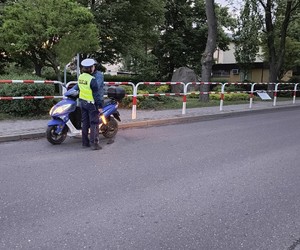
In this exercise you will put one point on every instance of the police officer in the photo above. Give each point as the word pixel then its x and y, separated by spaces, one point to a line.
pixel 90 103
pixel 100 80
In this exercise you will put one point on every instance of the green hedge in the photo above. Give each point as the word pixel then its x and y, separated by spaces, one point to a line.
pixel 24 76
pixel 26 107
pixel 231 97
pixel 227 96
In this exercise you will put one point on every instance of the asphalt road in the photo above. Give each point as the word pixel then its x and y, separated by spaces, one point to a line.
pixel 231 183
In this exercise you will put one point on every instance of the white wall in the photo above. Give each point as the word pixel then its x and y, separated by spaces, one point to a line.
pixel 227 56
pixel 112 69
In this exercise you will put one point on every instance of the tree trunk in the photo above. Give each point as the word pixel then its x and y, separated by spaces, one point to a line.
pixel 276 59
pixel 38 69
pixel 58 74
pixel 207 57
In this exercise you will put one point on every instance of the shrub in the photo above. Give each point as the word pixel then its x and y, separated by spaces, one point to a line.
pixel 286 90
pixel 163 89
pixel 232 87
pixel 126 78
pixel 193 96
pixel 15 76
pixel 147 103
pixel 231 97
pixel 26 107
pixel 127 101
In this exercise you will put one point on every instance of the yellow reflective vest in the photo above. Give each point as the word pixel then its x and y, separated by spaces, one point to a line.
pixel 84 84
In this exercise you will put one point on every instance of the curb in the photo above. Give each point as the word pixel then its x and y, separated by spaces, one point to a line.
pixel 35 135
pixel 197 118
pixel 158 122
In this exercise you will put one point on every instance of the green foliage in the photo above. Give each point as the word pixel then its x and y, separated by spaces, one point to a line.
pixel 155 102
pixel 146 102
pixel 230 88
pixel 183 38
pixel 163 89
pixel 20 76
pixel 127 101
pixel 292 54
pixel 230 97
pixel 285 90
pixel 227 96
pixel 277 17
pixel 247 37
pixel 120 78
pixel 26 107
pixel 128 29
pixel 47 32
pixel 128 78
pixel 184 34
pixel 152 37
pixel 193 96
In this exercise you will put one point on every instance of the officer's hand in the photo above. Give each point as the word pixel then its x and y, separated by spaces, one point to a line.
pixel 100 111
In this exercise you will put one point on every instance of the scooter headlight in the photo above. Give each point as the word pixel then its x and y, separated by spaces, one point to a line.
pixel 60 109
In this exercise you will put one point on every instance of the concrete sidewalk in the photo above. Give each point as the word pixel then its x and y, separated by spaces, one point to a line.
pixel 12 130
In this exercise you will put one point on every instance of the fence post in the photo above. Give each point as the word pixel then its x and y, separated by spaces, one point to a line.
pixel 251 95
pixel 134 102
pixel 295 93
pixel 222 96
pixel 184 98
pixel 275 94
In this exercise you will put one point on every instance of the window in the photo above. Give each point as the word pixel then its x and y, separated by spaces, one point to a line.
pixel 235 71
pixel 221 72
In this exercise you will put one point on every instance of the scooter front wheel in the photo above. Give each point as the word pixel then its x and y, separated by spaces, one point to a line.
pixel 111 129
pixel 55 138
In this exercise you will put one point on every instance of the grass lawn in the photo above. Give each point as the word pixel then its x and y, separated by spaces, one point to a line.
pixel 176 103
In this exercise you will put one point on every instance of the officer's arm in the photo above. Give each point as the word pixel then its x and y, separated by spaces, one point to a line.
pixel 96 95
pixel 100 80
pixel 75 87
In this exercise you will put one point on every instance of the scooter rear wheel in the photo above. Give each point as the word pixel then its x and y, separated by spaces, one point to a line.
pixel 111 129
pixel 55 138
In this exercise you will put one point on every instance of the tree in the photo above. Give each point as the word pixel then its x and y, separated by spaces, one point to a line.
pixel 207 57
pixel 247 38
pixel 182 37
pixel 128 30
pixel 292 55
pixel 47 32
pixel 154 37
pixel 184 34
pixel 277 18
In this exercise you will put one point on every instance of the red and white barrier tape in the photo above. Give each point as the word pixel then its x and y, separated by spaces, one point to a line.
pixel 9 98
pixel 30 81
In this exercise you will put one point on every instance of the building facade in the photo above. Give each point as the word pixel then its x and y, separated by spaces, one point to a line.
pixel 227 69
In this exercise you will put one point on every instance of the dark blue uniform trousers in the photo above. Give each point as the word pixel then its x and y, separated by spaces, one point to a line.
pixel 90 120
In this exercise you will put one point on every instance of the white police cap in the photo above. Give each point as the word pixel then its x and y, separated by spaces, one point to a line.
pixel 89 62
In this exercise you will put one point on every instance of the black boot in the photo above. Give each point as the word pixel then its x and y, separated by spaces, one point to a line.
pixel 95 146
pixel 110 141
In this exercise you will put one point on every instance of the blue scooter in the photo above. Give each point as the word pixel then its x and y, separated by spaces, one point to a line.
pixel 66 116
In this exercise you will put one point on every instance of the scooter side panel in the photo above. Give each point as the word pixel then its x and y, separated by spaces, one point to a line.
pixel 109 109
pixel 56 122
